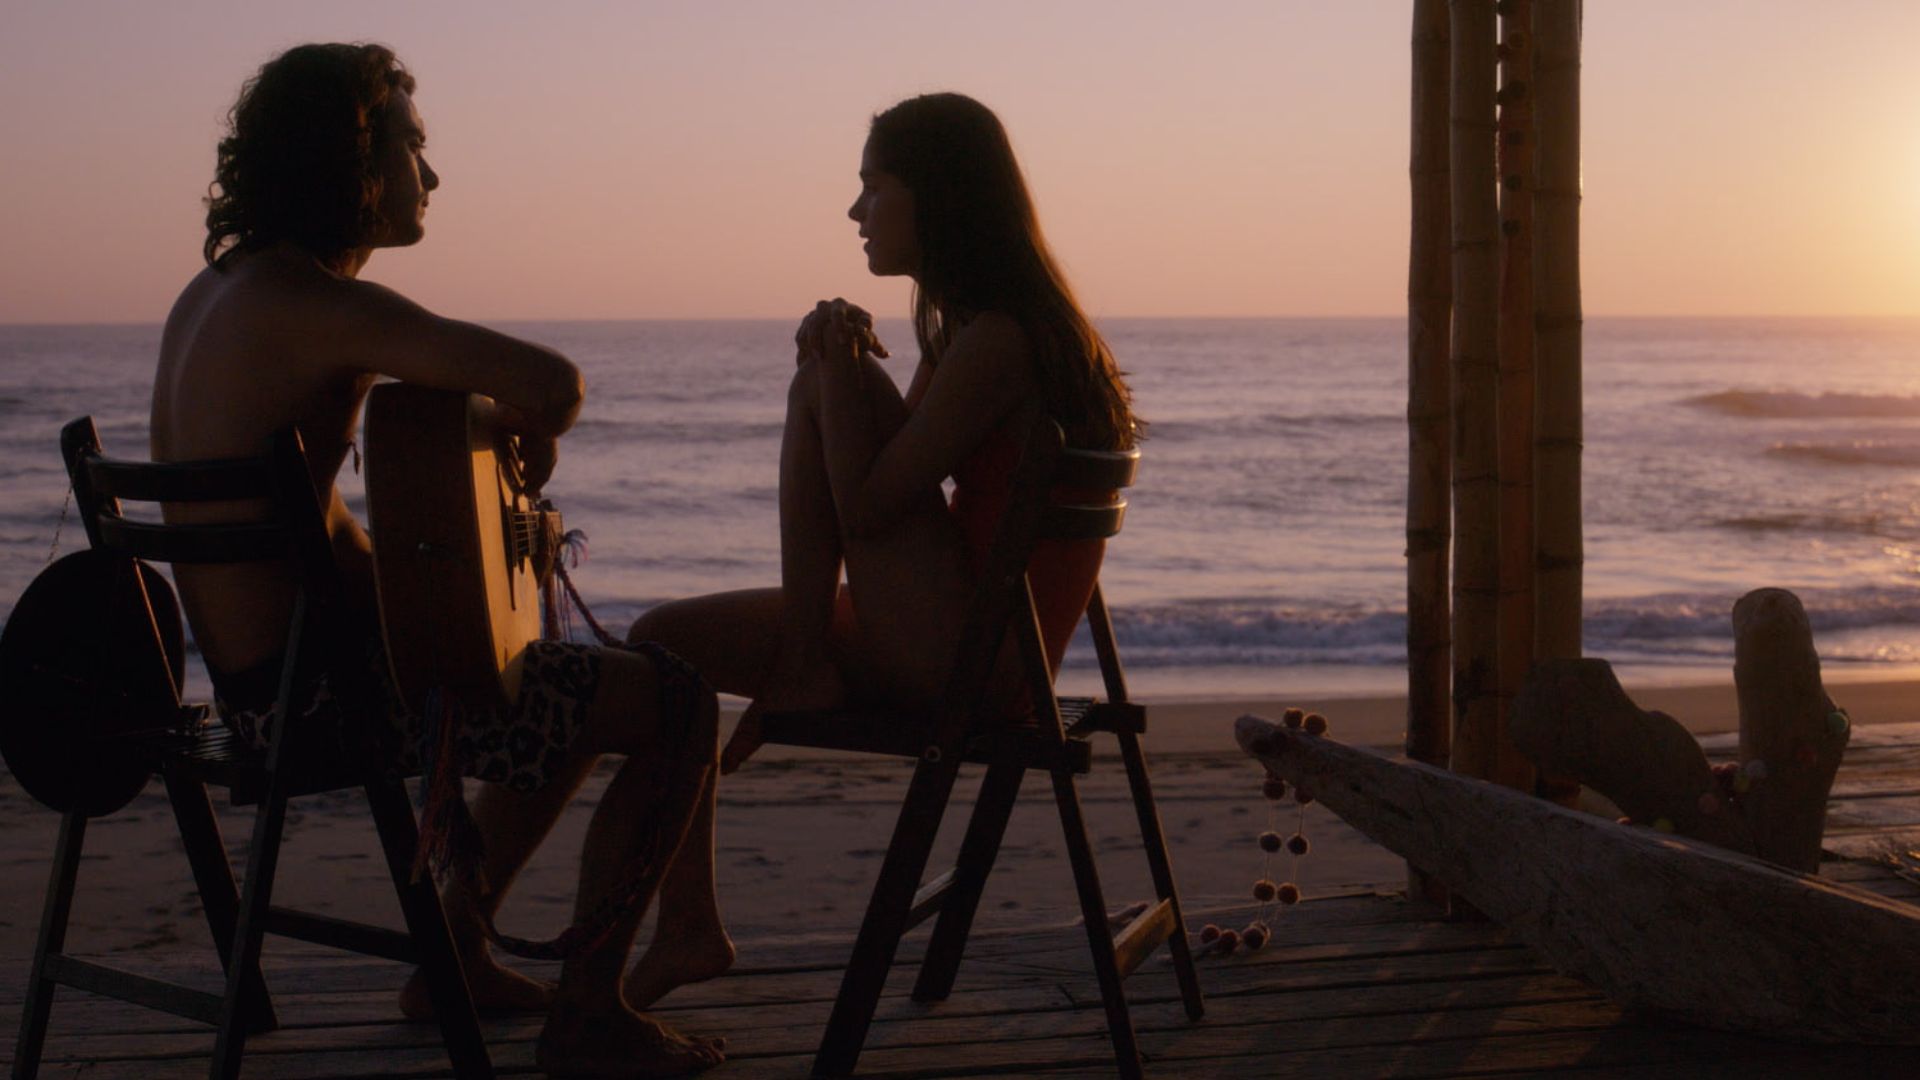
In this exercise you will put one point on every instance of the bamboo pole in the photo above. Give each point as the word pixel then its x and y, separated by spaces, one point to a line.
pixel 1557 586
pixel 1515 163
pixel 1475 229
pixel 1429 408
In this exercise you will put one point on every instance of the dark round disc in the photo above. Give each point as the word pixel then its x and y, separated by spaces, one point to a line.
pixel 86 655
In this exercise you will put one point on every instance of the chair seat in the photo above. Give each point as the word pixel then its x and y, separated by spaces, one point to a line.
pixel 907 734
pixel 212 754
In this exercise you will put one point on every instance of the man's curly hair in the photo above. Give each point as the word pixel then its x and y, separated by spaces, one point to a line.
pixel 299 160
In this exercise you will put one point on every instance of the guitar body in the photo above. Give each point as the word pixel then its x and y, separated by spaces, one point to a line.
pixel 94 650
pixel 454 539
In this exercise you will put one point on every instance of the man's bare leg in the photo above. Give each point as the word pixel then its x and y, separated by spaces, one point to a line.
pixel 642 819
pixel 514 823
pixel 690 942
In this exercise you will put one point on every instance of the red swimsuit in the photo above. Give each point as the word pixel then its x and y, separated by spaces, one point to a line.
pixel 1061 573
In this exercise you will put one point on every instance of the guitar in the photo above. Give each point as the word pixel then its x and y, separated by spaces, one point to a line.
pixel 459 546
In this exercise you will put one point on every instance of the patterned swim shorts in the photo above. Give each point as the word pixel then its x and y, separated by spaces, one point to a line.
pixel 523 748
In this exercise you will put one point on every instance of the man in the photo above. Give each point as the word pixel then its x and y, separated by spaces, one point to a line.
pixel 324 164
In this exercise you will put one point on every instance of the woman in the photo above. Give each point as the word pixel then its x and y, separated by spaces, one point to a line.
pixel 942 201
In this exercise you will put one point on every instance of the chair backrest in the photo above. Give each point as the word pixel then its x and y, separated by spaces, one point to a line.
pixel 1078 506
pixel 290 529
pixel 1058 493
pixel 293 525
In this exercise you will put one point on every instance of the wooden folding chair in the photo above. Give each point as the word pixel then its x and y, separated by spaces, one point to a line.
pixel 963 728
pixel 299 760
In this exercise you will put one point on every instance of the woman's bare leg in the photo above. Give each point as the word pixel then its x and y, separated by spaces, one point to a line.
pixel 802 674
pixel 728 637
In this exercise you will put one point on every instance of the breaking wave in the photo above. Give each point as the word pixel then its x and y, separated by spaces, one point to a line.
pixel 1780 404
pixel 1855 452
pixel 1671 626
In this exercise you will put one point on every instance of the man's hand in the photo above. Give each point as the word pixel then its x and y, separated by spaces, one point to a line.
pixel 538 455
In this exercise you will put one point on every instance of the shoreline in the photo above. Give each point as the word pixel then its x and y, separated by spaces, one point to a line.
pixel 1196 724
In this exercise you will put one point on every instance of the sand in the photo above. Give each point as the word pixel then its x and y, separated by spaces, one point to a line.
pixel 800 836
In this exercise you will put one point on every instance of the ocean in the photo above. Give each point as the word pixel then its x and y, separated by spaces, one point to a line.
pixel 1262 553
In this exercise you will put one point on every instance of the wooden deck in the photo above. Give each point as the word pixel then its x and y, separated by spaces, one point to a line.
pixel 1359 985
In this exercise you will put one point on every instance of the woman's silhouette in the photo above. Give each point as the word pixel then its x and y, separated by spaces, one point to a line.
pixel 942 201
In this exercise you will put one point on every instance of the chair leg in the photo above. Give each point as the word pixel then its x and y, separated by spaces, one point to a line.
pixel 981 846
pixel 219 897
pixel 1162 870
pixel 1093 910
pixel 427 924
pixel 38 1007
pixel 886 918
pixel 263 859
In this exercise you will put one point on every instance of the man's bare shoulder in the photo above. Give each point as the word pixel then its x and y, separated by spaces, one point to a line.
pixel 284 285
pixel 301 306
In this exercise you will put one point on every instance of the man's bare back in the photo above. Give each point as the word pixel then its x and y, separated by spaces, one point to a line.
pixel 276 336
pixel 234 370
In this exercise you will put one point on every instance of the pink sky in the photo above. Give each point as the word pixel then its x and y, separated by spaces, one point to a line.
pixel 615 160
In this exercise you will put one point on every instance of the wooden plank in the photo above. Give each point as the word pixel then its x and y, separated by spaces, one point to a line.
pixel 1695 932
pixel 1143 935
pixel 796 1031
pixel 1871 844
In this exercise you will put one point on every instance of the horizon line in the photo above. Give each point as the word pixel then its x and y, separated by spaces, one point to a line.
pixel 1295 317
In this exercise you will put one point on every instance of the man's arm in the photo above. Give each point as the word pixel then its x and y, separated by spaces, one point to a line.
pixel 369 327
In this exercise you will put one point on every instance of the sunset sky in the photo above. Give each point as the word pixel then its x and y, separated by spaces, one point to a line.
pixel 616 160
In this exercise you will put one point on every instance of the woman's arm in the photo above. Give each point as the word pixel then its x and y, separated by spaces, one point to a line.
pixel 984 375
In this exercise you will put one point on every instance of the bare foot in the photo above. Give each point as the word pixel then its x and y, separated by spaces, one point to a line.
pixel 496 991
pixel 578 1043
pixel 675 960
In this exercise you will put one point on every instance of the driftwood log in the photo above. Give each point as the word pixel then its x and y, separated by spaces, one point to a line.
pixel 1655 921
pixel 1573 718
pixel 1788 721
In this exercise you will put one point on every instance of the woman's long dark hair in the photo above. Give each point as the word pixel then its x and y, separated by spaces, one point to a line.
pixel 981 250
pixel 299 162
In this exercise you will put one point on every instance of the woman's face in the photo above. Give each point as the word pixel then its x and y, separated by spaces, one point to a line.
pixel 884 212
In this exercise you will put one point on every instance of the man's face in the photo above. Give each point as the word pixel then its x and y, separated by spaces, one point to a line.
pixel 405 175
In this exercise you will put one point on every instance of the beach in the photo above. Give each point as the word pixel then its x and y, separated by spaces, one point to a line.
pixel 1260 568
pixel 801 833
